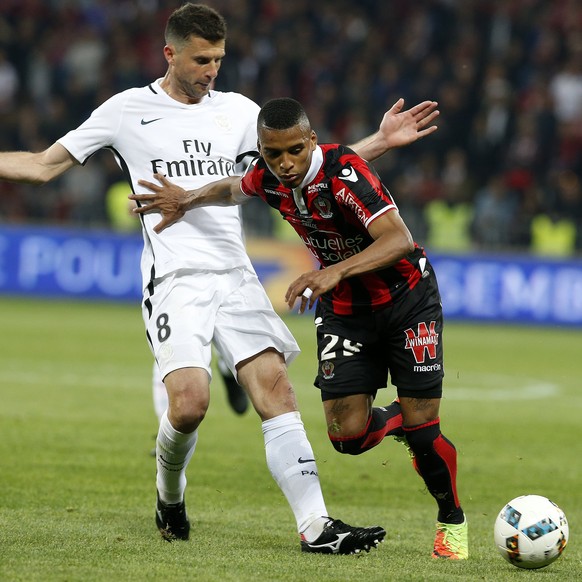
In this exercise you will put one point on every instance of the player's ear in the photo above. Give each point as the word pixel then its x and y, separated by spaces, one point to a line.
pixel 313 139
pixel 169 53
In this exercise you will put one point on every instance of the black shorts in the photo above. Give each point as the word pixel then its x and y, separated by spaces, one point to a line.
pixel 357 353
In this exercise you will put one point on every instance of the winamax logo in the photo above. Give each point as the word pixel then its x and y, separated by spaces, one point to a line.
pixel 424 342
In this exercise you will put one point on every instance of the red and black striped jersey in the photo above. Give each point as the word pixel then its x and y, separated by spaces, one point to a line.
pixel 331 215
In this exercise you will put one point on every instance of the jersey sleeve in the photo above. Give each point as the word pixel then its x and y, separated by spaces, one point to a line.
pixel 247 150
pixel 247 184
pixel 97 132
pixel 359 188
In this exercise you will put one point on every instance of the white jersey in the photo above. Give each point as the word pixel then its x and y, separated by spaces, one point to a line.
pixel 192 145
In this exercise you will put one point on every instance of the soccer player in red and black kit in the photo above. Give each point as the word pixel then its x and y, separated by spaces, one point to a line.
pixel 378 304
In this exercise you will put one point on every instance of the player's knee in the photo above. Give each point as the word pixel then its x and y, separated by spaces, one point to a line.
pixel 184 420
pixel 186 412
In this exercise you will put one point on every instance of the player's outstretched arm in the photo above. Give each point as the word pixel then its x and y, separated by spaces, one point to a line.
pixel 173 201
pixel 35 168
pixel 399 128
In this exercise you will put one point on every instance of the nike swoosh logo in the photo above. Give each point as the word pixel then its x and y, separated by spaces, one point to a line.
pixel 301 461
pixel 144 122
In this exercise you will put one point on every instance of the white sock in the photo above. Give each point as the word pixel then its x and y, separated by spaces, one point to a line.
pixel 292 463
pixel 173 452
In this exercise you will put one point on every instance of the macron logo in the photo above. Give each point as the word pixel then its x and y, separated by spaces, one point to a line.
pixel 144 122
pixel 348 173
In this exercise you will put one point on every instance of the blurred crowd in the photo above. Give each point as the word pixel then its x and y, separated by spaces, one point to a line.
pixel 504 170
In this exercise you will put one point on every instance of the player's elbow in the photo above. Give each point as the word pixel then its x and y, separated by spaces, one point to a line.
pixel 406 243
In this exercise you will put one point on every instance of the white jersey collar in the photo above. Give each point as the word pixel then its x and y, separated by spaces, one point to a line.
pixel 316 163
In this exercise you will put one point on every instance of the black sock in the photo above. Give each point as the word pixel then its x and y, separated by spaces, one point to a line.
pixel 436 461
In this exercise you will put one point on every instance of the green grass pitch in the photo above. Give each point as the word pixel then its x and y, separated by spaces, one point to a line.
pixel 77 482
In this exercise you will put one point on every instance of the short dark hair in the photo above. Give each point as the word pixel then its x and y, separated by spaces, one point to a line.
pixel 195 19
pixel 282 113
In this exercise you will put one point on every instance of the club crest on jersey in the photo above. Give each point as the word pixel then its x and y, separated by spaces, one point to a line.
pixel 323 207
pixel 223 122
pixel 327 369
pixel 422 343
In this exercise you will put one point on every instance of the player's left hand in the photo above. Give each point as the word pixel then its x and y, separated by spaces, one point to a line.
pixel 168 199
pixel 310 286
pixel 400 128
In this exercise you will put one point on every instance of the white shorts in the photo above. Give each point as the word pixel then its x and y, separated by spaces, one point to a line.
pixel 189 310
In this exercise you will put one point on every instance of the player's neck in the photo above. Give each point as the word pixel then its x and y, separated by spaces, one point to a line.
pixel 172 91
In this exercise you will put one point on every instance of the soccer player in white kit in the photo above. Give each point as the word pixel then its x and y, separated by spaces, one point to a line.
pixel 199 285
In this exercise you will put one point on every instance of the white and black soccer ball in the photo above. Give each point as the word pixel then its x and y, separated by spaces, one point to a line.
pixel 531 531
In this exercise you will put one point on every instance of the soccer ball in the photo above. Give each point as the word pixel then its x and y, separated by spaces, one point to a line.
pixel 531 531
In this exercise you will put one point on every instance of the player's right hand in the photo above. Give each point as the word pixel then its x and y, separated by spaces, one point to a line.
pixel 167 199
